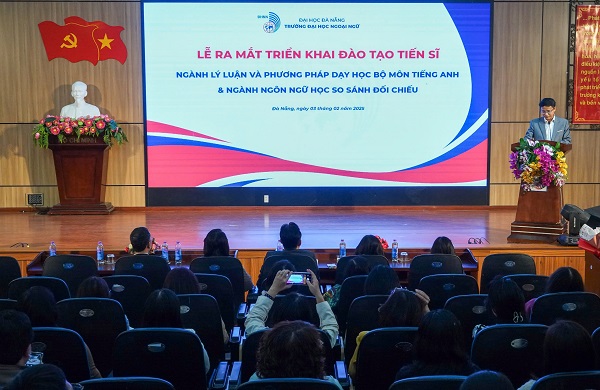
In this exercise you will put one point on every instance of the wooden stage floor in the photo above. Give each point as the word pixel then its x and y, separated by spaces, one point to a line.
pixel 254 230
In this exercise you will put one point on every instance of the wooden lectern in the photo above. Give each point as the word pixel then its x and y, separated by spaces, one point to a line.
pixel 538 212
pixel 80 167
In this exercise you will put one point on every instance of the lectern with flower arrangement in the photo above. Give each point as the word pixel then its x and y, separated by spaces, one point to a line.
pixel 542 168
pixel 79 147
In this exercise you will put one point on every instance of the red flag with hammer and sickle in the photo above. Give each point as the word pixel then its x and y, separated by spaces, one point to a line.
pixel 79 40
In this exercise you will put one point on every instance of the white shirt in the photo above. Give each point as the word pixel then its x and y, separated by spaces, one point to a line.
pixel 549 128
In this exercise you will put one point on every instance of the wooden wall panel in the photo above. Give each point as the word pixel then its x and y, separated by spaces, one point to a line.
pixel 16 196
pixel 126 162
pixel 516 61
pixel 22 163
pixel 502 136
pixel 252 261
pixel 28 169
pixel 504 194
pixel 126 195
pixel 44 86
pixel 584 159
pixel 582 195
pixel 555 40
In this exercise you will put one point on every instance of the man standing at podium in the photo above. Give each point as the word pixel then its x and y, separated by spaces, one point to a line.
pixel 548 126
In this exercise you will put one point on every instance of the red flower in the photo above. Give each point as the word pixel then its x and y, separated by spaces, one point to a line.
pixel 383 242
pixel 93 130
pixel 48 124
pixel 55 130
pixel 68 130
pixel 100 125
pixel 89 122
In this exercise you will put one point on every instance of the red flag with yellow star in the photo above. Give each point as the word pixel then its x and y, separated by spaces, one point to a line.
pixel 79 40
pixel 73 42
pixel 107 39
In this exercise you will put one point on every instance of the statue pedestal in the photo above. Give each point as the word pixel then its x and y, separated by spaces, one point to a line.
pixel 81 175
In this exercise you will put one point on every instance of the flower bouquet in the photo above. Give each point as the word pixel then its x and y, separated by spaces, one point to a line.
pixel 383 242
pixel 538 164
pixel 63 127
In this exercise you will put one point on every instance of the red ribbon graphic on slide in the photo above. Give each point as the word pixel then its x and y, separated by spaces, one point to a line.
pixel 79 40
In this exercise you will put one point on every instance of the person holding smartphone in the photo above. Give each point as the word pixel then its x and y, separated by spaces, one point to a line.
pixel 294 307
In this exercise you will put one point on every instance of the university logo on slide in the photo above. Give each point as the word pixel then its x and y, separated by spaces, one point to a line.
pixel 79 40
pixel 273 24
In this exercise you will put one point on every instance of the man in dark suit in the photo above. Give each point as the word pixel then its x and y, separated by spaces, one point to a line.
pixel 549 127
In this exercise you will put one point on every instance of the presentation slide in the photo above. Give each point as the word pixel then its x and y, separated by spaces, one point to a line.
pixel 316 95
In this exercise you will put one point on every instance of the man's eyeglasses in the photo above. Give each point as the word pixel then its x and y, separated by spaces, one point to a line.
pixel 544 112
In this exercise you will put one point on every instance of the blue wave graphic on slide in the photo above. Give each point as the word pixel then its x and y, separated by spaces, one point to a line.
pixel 477 48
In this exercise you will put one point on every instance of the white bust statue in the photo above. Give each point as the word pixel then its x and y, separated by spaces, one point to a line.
pixel 79 108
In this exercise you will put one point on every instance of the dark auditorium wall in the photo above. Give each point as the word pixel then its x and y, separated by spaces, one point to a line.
pixel 530 61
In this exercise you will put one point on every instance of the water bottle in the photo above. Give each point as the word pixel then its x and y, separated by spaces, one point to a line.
pixel 177 253
pixel 52 249
pixel 165 251
pixel 100 253
pixel 395 251
pixel 279 246
pixel 342 249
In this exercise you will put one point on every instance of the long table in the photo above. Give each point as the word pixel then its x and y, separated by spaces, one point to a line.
pixel 327 259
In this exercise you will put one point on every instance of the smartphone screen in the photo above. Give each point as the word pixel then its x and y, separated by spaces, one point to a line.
pixel 298 278
pixel 35 358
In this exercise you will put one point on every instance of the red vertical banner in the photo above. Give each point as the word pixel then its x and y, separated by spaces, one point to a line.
pixel 586 87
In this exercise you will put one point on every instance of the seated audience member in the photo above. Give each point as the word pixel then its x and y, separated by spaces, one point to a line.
pixel 438 348
pixel 442 245
pixel 568 347
pixel 369 245
pixel 402 308
pixel 16 335
pixel 40 377
pixel 162 311
pixel 291 349
pixel 356 266
pixel 182 280
pixel 40 306
pixel 487 380
pixel 564 279
pixel 96 287
pixel 93 287
pixel 141 241
pixel 216 244
pixel 291 239
pixel 278 266
pixel 505 302
pixel 291 308
pixel 381 281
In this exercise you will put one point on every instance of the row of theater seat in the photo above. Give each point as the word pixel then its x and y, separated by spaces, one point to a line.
pixel 479 305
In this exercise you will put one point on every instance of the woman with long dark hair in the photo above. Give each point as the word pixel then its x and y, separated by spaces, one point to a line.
pixel 439 348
